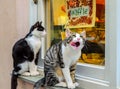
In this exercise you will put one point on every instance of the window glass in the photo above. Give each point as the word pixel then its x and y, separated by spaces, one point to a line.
pixel 94 53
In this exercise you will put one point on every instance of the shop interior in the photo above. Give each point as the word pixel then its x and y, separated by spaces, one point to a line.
pixel 95 33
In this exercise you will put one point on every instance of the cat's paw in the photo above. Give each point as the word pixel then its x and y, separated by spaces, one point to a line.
pixel 71 86
pixel 61 84
pixel 76 84
pixel 34 73
pixel 26 74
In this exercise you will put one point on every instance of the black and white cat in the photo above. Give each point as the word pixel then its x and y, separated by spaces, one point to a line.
pixel 60 61
pixel 25 53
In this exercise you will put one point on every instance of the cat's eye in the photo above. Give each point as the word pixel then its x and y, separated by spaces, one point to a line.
pixel 74 35
pixel 81 36
pixel 40 29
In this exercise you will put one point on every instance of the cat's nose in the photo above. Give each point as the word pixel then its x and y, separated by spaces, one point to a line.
pixel 78 38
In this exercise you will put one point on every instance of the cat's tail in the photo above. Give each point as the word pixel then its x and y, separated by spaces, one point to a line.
pixel 14 80
pixel 39 83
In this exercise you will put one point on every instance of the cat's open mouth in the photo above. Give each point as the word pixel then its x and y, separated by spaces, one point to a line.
pixel 75 44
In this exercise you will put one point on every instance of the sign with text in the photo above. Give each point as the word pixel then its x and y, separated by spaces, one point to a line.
pixel 81 13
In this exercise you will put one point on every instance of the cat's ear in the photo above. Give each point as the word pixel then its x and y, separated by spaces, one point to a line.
pixel 37 24
pixel 68 32
pixel 41 23
pixel 83 34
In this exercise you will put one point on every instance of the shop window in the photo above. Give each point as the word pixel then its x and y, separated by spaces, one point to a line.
pixel 95 53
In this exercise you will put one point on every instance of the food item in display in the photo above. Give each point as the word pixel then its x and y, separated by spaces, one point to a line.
pixel 93 58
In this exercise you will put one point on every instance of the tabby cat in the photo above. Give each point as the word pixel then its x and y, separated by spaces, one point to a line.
pixel 25 53
pixel 60 61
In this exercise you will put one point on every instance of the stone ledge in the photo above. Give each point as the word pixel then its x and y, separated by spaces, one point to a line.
pixel 33 79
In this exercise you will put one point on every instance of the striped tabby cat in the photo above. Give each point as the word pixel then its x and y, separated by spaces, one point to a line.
pixel 60 61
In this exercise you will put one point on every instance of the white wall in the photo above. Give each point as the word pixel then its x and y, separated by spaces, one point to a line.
pixel 14 24
pixel 8 35
pixel 118 43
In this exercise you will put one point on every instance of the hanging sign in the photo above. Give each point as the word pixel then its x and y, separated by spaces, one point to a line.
pixel 81 13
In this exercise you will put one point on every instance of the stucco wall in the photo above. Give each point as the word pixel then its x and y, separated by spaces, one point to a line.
pixel 14 24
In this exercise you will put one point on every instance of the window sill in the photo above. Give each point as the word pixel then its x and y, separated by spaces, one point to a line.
pixel 33 79
pixel 30 79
